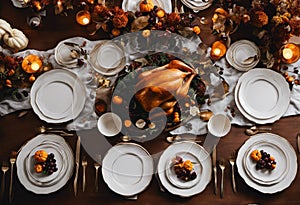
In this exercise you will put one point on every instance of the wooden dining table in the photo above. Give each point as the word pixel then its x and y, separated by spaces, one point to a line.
pixel 15 131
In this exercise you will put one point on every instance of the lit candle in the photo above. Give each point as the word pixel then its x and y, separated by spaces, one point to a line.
pixel 218 50
pixel 59 7
pixel 83 17
pixel 32 63
pixel 290 53
pixel 37 5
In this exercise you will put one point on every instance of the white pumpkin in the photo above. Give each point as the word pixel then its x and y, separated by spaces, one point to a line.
pixel 16 39
pixel 4 28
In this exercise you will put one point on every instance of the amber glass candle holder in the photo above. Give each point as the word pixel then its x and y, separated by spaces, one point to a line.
pixel 218 50
pixel 83 17
pixel 290 53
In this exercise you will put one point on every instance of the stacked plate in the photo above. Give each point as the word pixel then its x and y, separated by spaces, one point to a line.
pixel 197 5
pixel 57 96
pixel 187 151
pixel 127 169
pixel 262 95
pixel 41 183
pixel 63 54
pixel 243 55
pixel 108 58
pixel 268 181
pixel 133 5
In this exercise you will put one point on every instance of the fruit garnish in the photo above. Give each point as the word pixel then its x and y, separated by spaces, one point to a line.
pixel 263 160
pixel 184 169
pixel 46 167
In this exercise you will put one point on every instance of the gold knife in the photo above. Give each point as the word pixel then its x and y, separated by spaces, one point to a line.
pixel 214 163
pixel 77 159
pixel 298 142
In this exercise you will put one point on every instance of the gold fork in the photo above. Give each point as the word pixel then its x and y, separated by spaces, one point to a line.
pixel 4 169
pixel 222 167
pixel 97 166
pixel 12 162
pixel 232 163
pixel 84 164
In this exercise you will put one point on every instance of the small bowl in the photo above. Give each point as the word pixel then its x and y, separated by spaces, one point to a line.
pixel 109 124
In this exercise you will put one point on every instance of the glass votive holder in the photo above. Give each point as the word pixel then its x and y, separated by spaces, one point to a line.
pixel 83 17
pixel 218 50
pixel 290 53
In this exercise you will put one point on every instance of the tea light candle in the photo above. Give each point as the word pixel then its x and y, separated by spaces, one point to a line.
pixel 218 50
pixel 290 53
pixel 83 17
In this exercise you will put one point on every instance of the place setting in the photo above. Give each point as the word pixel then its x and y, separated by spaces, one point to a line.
pixel 45 164
pixel 267 162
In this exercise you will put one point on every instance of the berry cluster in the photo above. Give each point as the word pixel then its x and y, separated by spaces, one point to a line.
pixel 49 166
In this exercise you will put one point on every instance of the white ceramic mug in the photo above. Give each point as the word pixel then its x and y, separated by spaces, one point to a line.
pixel 219 125
pixel 109 124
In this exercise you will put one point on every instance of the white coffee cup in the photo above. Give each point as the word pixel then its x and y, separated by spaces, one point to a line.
pixel 219 125
pixel 109 124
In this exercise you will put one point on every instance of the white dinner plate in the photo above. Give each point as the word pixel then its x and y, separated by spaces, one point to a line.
pixel 197 5
pixel 108 58
pixel 42 107
pixel 39 187
pixel 255 108
pixel 286 148
pixel 238 53
pixel 41 177
pixel 265 176
pixel 55 99
pixel 133 5
pixel 190 149
pixel 172 176
pixel 127 168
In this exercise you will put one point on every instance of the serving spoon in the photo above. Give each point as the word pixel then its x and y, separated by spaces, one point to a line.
pixel 254 130
pixel 177 138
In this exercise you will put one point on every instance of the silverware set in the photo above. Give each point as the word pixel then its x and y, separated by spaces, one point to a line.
pixel 222 166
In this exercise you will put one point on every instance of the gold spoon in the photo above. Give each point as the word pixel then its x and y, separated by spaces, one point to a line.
pixel 254 130
pixel 43 129
pixel 177 138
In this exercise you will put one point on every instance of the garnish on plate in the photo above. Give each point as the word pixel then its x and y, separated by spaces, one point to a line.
pixel 263 160
pixel 184 169
pixel 44 162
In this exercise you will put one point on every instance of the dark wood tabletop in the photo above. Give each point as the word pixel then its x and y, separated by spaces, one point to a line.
pixel 16 131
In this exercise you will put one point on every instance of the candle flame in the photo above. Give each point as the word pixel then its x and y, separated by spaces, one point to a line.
pixel 59 3
pixel 85 20
pixel 287 53
pixel 217 51
pixel 35 66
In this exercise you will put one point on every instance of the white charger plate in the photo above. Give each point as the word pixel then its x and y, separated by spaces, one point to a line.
pixel 290 154
pixel 240 51
pixel 285 95
pixel 108 58
pixel 133 5
pixel 189 148
pixel 21 162
pixel 172 177
pixel 63 76
pixel 127 168
pixel 265 176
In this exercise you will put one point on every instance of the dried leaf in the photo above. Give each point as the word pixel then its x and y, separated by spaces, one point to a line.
pixel 139 23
